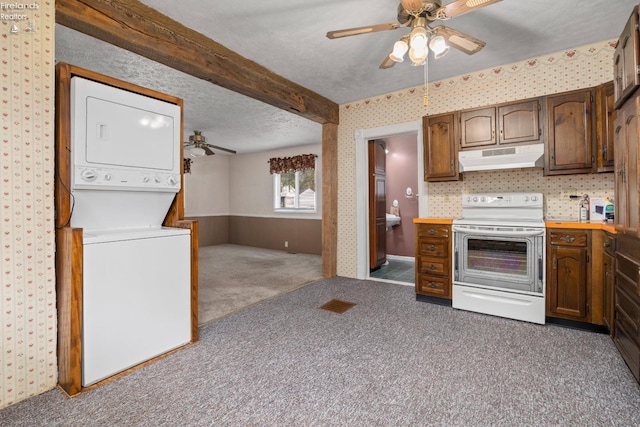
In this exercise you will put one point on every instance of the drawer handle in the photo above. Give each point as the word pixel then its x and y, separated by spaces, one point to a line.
pixel 568 239
pixel 432 267
pixel 432 285
pixel 607 244
pixel 432 247
pixel 432 232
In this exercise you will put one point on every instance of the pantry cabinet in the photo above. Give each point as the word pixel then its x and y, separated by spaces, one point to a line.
pixel 433 260
pixel 626 61
pixel 627 215
pixel 568 275
pixel 515 122
pixel 570 130
pixel 605 117
pixel 440 149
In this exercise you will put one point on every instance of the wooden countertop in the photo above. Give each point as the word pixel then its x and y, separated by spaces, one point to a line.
pixel 586 225
pixel 432 220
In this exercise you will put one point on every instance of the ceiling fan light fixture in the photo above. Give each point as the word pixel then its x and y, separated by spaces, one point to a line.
pixel 438 46
pixel 418 56
pixel 418 38
pixel 197 152
pixel 399 49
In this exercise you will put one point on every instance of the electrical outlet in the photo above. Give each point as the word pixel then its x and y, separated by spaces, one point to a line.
pixel 286 243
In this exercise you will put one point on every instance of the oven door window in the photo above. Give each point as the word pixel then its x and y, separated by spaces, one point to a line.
pixel 497 256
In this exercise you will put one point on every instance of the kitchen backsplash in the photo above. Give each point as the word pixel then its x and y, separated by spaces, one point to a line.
pixel 445 199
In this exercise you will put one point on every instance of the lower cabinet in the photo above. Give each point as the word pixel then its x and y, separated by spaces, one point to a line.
pixel 627 302
pixel 608 281
pixel 433 260
pixel 575 275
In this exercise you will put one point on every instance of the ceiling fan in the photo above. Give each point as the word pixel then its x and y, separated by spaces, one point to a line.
pixel 197 146
pixel 420 15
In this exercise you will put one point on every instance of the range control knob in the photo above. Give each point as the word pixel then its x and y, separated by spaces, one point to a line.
pixel 157 179
pixel 107 177
pixel 475 199
pixel 534 198
pixel 145 179
pixel 172 180
pixel 89 175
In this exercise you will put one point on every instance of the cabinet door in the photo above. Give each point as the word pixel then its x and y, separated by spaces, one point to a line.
pixel 569 133
pixel 440 153
pixel 605 117
pixel 478 127
pixel 609 277
pixel 627 211
pixel 519 122
pixel 626 59
pixel 567 285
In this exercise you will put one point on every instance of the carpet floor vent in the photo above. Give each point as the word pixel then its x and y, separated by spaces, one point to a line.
pixel 337 306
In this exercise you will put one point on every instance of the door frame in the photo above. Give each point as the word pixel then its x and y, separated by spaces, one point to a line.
pixel 362 136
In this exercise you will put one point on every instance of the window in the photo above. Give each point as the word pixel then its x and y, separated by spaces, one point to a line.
pixel 296 190
pixel 294 182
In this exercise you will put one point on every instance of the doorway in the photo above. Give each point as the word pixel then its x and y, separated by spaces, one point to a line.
pixel 362 184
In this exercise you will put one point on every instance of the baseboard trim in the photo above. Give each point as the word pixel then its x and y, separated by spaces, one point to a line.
pixel 433 300
pixel 573 324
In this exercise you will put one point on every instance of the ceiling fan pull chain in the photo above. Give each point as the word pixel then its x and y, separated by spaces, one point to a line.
pixel 425 96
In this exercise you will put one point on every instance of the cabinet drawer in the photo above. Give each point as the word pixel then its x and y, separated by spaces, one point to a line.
pixel 628 313
pixel 439 266
pixel 431 285
pixel 433 247
pixel 433 230
pixel 628 273
pixel 609 244
pixel 628 348
pixel 568 237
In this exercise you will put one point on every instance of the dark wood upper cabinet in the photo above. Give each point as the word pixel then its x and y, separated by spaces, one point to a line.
pixel 570 129
pixel 627 173
pixel 440 148
pixel 519 122
pixel 626 60
pixel 605 116
pixel 515 122
pixel 477 127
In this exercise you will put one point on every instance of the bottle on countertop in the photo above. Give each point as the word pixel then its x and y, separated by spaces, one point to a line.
pixel 584 208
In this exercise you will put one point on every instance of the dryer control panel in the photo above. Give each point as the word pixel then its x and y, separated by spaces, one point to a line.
pixel 86 178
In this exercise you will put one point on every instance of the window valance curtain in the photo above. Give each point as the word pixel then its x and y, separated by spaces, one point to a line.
pixel 292 164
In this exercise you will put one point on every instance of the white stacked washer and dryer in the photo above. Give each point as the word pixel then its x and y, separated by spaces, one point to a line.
pixel 125 173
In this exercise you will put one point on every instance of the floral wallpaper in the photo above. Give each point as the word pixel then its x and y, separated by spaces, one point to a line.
pixel 27 296
pixel 577 68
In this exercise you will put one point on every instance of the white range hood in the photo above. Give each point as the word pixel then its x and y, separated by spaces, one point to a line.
pixel 519 156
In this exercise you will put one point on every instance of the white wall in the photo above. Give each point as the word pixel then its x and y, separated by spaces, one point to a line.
pixel 206 188
pixel 251 184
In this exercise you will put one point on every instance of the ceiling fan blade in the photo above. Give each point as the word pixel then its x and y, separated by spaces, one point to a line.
pixel 215 147
pixel 461 41
pixel 463 6
pixel 207 150
pixel 387 62
pixel 362 30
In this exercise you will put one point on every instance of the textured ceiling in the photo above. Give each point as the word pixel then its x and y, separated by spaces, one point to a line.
pixel 288 37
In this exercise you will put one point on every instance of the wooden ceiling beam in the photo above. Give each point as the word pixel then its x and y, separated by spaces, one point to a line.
pixel 140 29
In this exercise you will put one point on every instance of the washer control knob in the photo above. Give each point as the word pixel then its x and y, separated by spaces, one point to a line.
pixel 107 177
pixel 89 175
pixel 172 180
pixel 157 179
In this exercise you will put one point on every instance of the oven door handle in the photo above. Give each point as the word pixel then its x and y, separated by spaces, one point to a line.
pixel 498 233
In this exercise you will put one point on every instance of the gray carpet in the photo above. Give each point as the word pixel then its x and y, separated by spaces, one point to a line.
pixel 234 277
pixel 388 361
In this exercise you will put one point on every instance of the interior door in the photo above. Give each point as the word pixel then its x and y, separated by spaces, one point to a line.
pixel 377 204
